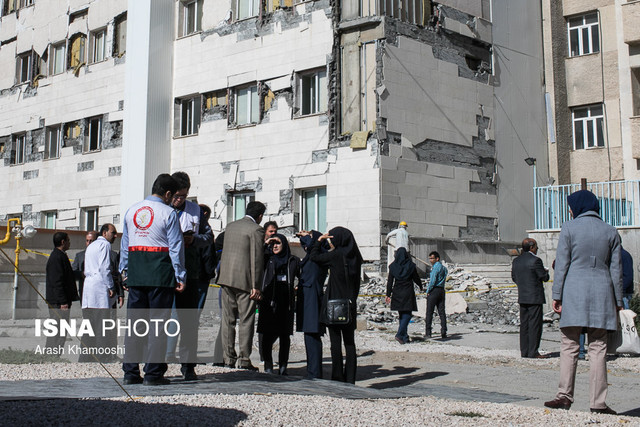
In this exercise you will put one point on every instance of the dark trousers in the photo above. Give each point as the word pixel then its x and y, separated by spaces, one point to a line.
pixel 188 315
pixel 55 312
pixel 436 299
pixel 283 353
pixel 530 329
pixel 146 303
pixel 345 372
pixel 313 347
pixel 403 325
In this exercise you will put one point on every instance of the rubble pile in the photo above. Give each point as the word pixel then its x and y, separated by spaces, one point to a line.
pixel 485 304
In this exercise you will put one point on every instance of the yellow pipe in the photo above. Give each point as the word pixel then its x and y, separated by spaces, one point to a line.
pixel 8 235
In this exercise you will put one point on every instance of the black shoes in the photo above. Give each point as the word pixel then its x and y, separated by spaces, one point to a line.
pixel 605 410
pixel 559 403
pixel 156 381
pixel 248 368
pixel 132 380
pixel 189 374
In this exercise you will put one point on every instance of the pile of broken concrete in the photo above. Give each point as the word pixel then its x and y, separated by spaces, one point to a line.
pixel 470 299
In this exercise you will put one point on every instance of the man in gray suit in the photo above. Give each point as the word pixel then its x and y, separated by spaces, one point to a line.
pixel 587 293
pixel 241 278
pixel 528 273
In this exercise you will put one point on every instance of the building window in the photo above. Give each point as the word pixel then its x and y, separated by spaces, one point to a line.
pixel 312 93
pixel 187 113
pixel 52 142
pixel 247 106
pixel 583 34
pixel 314 209
pixel 190 17
pixel 237 205
pixel 77 50
pixel 49 220
pixel 588 127
pixel 93 135
pixel 98 46
pixel 215 104
pixel 17 149
pixel 27 67
pixel 8 7
pixel 120 35
pixel 89 218
pixel 246 8
pixel 57 58
pixel 635 90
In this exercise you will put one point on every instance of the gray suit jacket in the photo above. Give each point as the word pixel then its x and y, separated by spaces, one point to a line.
pixel 242 262
pixel 528 273
pixel 588 275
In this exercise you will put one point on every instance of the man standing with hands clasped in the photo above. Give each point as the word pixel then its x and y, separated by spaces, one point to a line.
pixel 528 273
pixel 152 262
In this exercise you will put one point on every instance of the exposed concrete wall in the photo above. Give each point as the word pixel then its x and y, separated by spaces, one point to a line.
pixel 584 82
pixel 520 119
pixel 65 184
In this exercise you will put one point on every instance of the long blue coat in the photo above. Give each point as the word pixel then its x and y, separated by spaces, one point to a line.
pixel 588 274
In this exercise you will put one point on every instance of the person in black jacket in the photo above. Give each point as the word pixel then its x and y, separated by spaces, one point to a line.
pixel 60 285
pixel 401 294
pixel 276 308
pixel 528 273
pixel 309 304
pixel 344 262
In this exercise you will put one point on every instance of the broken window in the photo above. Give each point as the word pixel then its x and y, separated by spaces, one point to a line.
pixel 8 7
pixel 18 143
pixel 246 105
pixel 56 66
pixel 583 34
pixel 215 103
pixel 92 135
pixel 186 116
pixel 53 138
pixel 314 209
pixel 237 205
pixel 77 45
pixel 588 127
pixel 72 130
pixel 246 8
pixel 358 86
pixel 89 218
pixel 190 17
pixel 27 67
pixel 120 35
pixel 279 4
pixel 49 219
pixel 97 45
pixel 312 92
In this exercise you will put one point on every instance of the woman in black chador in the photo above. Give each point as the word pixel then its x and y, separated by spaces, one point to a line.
pixel 344 262
pixel 400 293
pixel 275 315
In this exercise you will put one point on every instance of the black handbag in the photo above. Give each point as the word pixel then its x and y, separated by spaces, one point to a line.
pixel 339 311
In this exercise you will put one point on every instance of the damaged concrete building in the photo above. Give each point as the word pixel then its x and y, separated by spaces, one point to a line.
pixel 359 114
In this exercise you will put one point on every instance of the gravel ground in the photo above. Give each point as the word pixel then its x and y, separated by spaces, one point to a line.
pixel 279 410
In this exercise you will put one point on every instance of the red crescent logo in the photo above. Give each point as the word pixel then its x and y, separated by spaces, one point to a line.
pixel 143 218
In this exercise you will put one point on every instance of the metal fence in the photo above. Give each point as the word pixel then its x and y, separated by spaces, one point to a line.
pixel 618 203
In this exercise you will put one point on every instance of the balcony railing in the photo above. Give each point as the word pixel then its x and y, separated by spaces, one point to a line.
pixel 619 202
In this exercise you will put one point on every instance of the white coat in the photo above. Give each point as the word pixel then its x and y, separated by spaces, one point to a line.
pixel 98 278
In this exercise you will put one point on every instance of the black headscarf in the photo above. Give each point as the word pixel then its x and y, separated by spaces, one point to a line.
pixel 307 243
pixel 402 267
pixel 280 259
pixel 344 242
pixel 583 201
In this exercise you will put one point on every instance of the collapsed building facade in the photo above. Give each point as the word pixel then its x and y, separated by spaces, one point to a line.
pixel 359 114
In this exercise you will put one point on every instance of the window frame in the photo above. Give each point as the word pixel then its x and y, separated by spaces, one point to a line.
pixel 318 216
pixel 232 198
pixel 84 215
pixel 52 54
pixel 589 121
pixel 47 142
pixel 119 41
pixel 580 33
pixel 87 146
pixel 188 18
pixel 20 58
pixel 191 106
pixel 95 56
pixel 251 89
pixel 45 216
pixel 19 148
pixel 316 108
pixel 71 65
pixel 254 6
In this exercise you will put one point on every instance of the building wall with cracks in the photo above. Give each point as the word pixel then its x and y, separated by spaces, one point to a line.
pixel 65 100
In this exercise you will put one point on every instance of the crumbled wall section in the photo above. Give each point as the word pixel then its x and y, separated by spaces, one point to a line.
pixel 115 171
pixel 479 227
pixel 255 186
pixel 111 134
pixel 85 166
pixel 33 174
